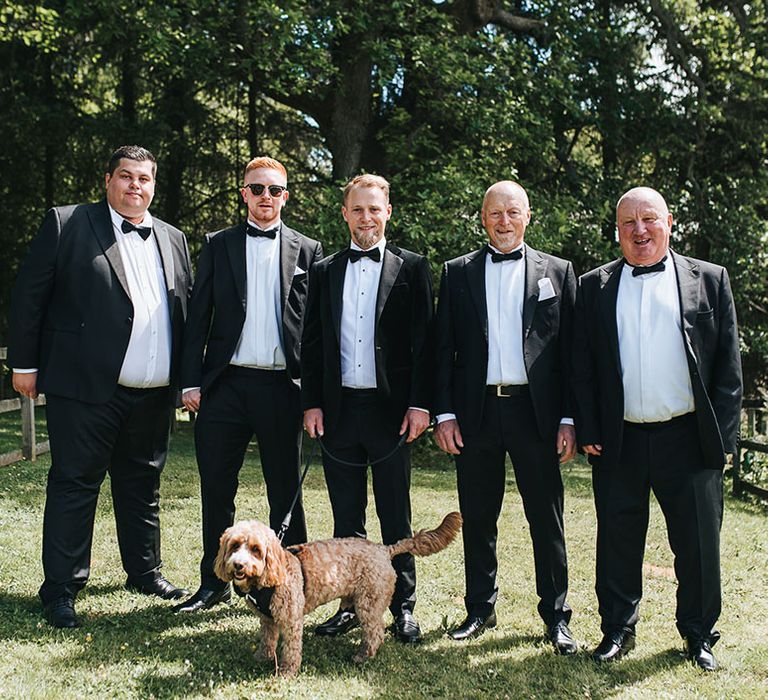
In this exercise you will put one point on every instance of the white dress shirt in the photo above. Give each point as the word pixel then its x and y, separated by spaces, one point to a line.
pixel 654 369
pixel 504 295
pixel 260 343
pixel 147 361
pixel 358 320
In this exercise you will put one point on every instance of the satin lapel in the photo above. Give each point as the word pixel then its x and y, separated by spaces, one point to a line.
pixel 289 254
pixel 609 291
pixel 535 269
pixel 475 271
pixel 236 252
pixel 337 268
pixel 166 254
pixel 390 267
pixel 105 234
pixel 688 284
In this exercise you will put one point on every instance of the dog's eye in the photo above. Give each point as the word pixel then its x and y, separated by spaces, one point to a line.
pixel 255 549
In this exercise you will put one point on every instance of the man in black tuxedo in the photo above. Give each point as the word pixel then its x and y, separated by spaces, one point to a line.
pixel 366 381
pixel 240 364
pixel 657 385
pixel 96 320
pixel 504 323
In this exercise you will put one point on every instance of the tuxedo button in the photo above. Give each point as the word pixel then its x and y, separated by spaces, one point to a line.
pixel 129 320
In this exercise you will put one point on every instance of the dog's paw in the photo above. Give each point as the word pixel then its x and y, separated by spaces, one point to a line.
pixel 288 670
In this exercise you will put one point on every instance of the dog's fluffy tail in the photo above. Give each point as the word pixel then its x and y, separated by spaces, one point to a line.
pixel 426 542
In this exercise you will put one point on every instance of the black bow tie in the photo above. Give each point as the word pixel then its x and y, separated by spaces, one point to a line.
pixel 259 233
pixel 372 253
pixel 500 257
pixel 638 270
pixel 144 231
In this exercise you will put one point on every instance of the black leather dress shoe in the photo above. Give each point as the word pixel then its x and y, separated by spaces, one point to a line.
pixel 562 639
pixel 160 587
pixel 204 599
pixel 339 623
pixel 406 629
pixel 614 645
pixel 473 626
pixel 61 613
pixel 700 652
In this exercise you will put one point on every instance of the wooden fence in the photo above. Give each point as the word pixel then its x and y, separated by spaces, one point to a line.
pixel 754 440
pixel 30 448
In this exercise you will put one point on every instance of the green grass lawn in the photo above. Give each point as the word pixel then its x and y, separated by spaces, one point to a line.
pixel 133 647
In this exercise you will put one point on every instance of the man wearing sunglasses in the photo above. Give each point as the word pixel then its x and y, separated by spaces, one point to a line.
pixel 240 363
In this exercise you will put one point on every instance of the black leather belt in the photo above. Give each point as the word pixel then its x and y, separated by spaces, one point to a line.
pixel 505 391
pixel 349 391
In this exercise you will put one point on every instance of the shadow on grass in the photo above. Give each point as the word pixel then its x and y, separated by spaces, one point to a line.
pixel 173 656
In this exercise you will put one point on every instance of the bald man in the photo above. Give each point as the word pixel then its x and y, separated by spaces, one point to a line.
pixel 504 324
pixel 657 386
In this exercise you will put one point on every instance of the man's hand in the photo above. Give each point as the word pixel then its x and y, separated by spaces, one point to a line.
pixel 191 400
pixel 595 450
pixel 25 383
pixel 415 422
pixel 566 442
pixel 313 422
pixel 448 437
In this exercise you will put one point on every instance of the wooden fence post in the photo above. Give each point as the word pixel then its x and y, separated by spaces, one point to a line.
pixel 28 437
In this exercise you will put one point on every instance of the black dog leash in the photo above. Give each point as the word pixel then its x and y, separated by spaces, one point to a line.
pixel 261 598
pixel 319 441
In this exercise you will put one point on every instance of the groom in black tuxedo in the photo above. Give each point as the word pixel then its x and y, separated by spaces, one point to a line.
pixel 657 386
pixel 366 381
pixel 240 365
pixel 504 321
pixel 96 320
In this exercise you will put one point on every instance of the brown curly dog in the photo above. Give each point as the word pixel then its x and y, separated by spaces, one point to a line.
pixel 356 570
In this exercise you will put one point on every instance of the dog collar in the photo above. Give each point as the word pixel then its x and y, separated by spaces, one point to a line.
pixel 262 597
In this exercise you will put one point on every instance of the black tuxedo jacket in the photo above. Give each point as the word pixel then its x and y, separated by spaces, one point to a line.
pixel 217 308
pixel 71 312
pixel 462 339
pixel 711 345
pixel 402 334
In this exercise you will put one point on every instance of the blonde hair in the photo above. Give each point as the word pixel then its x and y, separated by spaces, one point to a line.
pixel 367 180
pixel 266 162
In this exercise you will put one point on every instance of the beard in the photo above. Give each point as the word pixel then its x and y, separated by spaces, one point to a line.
pixel 366 239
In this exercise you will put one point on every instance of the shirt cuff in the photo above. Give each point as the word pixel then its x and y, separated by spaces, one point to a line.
pixel 566 421
pixel 442 417
pixel 189 388
pixel 24 371
pixel 416 408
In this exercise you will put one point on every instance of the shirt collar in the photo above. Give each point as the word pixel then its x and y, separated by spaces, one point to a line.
pixel 117 219
pixel 380 245
pixel 278 225
pixel 521 247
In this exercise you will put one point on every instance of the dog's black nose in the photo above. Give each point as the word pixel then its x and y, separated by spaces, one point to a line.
pixel 238 566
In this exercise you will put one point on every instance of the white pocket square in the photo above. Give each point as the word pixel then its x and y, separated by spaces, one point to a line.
pixel 298 271
pixel 546 290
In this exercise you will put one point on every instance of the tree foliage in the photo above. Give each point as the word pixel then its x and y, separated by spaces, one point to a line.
pixel 579 100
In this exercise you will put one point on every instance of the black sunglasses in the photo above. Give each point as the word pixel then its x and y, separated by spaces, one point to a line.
pixel 274 190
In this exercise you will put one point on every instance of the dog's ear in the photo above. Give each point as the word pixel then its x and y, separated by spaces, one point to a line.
pixel 219 565
pixel 274 564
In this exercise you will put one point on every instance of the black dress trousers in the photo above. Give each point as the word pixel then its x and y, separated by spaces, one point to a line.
pixel 126 437
pixel 509 428
pixel 667 458
pixel 244 403
pixel 365 432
